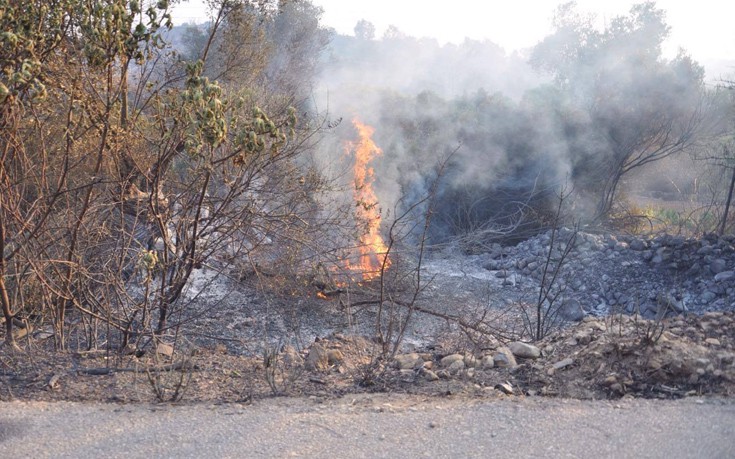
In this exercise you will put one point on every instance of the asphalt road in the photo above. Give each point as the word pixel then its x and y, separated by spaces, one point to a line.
pixel 373 426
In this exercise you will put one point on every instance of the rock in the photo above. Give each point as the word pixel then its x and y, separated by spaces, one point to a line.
pixel 456 367
pixel 335 356
pixel 610 380
pixel 524 350
pixel 621 246
pixel 407 375
pixel 429 375
pixel 487 362
pixel 583 337
pixel 707 297
pixel 638 245
pixel 450 359
pixel 503 358
pixel 563 364
pixel 165 349
pixel 667 302
pixel 408 361
pixel 53 382
pixel 662 254
pixel 712 341
pixel 317 359
pixel 470 361
pixel 717 266
pixel 571 311
pixel 505 388
pixel 724 275
pixel 492 265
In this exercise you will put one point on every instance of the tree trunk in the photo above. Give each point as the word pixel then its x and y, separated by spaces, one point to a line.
pixel 4 297
pixel 727 204
pixel 607 197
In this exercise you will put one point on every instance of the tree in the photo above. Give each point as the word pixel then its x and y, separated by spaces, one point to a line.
pixel 364 30
pixel 32 33
pixel 639 107
pixel 108 205
pixel 393 33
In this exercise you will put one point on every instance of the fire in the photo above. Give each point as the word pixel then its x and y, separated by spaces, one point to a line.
pixel 372 250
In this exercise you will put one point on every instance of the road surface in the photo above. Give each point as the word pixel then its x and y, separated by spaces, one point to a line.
pixel 373 426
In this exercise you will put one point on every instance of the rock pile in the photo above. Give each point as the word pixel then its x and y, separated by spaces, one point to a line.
pixel 595 358
pixel 605 274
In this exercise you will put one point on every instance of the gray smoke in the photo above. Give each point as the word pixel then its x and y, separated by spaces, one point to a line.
pixel 581 105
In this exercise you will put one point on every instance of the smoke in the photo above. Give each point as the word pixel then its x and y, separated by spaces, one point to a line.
pixel 592 104
pixel 410 90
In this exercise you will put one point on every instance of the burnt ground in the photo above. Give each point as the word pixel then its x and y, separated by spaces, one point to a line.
pixel 241 339
pixel 244 337
pixel 622 356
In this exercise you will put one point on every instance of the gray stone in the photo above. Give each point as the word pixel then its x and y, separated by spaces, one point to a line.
pixel 668 302
pixel 487 362
pixel 724 275
pixel 662 254
pixel 717 266
pixel 408 361
pixel 456 367
pixel 524 350
pixel 492 265
pixel 450 359
pixel 571 311
pixel 429 375
pixel 563 364
pixel 470 361
pixel 407 375
pixel 707 297
pixel 705 250
pixel 583 336
pixel 638 245
pixel 504 358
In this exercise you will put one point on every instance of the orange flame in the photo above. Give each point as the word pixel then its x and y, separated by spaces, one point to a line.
pixel 373 251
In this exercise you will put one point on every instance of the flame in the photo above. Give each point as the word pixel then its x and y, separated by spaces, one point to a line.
pixel 372 250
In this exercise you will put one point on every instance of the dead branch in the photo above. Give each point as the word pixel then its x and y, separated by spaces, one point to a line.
pixel 101 371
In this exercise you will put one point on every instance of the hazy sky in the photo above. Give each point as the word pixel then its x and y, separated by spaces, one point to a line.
pixel 704 27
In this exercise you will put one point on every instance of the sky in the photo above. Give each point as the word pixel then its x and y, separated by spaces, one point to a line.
pixel 703 27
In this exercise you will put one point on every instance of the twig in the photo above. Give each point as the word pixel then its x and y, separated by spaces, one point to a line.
pixel 101 371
